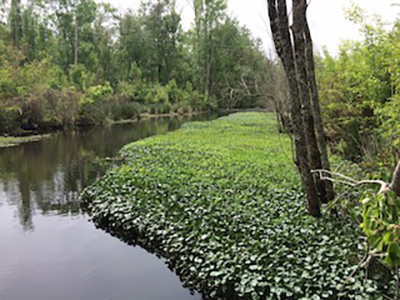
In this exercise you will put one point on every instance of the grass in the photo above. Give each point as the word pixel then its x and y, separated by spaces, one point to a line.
pixel 15 141
pixel 221 201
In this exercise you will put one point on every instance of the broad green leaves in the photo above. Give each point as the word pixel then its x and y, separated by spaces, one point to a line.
pixel 381 224
pixel 221 202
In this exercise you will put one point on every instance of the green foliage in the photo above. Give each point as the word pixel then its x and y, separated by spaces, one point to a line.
pixel 152 61
pixel 9 119
pixel 359 92
pixel 126 89
pixel 135 73
pixel 381 225
pixel 161 95
pixel 220 201
pixel 94 107
pixel 125 110
pixel 78 75
pixel 98 94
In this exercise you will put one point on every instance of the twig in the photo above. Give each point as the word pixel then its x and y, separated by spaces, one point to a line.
pixel 387 297
pixel 365 258
pixel 350 181
pixel 397 283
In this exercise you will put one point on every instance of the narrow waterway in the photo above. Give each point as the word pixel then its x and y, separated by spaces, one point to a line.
pixel 48 248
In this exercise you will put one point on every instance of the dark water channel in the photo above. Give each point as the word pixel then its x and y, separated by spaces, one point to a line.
pixel 48 248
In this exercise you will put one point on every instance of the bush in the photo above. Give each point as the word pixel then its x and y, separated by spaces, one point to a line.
pixel 175 94
pixel 185 109
pixel 10 120
pixel 126 89
pixel 62 107
pixel 125 110
pixel 78 75
pixel 94 106
pixel 161 95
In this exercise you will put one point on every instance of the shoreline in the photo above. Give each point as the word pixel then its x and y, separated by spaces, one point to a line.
pixel 15 140
pixel 145 116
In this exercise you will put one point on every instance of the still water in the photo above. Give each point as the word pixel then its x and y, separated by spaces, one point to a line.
pixel 48 248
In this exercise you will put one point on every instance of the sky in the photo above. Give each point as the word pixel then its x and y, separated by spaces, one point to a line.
pixel 326 18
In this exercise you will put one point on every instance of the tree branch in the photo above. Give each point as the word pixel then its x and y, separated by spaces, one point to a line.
pixel 395 185
pixel 328 175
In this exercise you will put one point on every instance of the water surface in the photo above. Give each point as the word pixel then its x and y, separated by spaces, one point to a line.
pixel 48 248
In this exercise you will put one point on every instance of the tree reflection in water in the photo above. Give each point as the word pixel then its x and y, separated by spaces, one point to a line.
pixel 47 177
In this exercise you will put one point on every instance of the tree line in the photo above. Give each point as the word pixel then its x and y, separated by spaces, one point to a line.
pixel 76 62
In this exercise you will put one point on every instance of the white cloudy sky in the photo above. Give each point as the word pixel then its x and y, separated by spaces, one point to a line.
pixel 326 18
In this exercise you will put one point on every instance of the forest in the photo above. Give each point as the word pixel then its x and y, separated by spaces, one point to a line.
pixel 74 63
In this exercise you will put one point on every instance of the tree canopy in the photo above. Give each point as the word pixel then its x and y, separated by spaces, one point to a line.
pixel 142 61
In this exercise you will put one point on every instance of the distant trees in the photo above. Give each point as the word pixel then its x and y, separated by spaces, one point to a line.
pixel 294 47
pixel 148 60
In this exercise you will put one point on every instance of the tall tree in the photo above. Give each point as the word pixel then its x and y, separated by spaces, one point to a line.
pixel 292 51
pixel 15 22
pixel 208 17
pixel 164 29
pixel 29 26
pixel 298 29
pixel 319 125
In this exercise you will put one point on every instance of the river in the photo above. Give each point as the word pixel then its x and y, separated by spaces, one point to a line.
pixel 49 249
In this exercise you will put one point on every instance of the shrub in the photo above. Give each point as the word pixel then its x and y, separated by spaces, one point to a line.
pixel 161 95
pixel 78 75
pixel 62 107
pixel 126 89
pixel 10 119
pixel 125 110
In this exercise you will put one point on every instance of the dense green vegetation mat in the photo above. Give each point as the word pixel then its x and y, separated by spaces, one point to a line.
pixel 220 201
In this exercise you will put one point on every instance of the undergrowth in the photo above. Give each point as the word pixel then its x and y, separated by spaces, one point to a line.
pixel 221 202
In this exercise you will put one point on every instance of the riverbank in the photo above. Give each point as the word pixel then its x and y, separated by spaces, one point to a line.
pixel 12 141
pixel 220 201
pixel 144 116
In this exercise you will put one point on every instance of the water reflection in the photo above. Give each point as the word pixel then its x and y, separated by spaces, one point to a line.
pixel 47 177
pixel 48 249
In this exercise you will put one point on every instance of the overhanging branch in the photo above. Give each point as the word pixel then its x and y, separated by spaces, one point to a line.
pixel 395 185
pixel 328 175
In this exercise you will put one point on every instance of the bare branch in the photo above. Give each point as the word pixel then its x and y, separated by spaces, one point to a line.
pixel 395 185
pixel 359 266
pixel 328 175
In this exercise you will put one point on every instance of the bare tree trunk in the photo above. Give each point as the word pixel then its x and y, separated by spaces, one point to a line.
pixel 76 41
pixel 198 9
pixel 67 42
pixel 299 22
pixel 280 31
pixel 207 53
pixel 319 125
